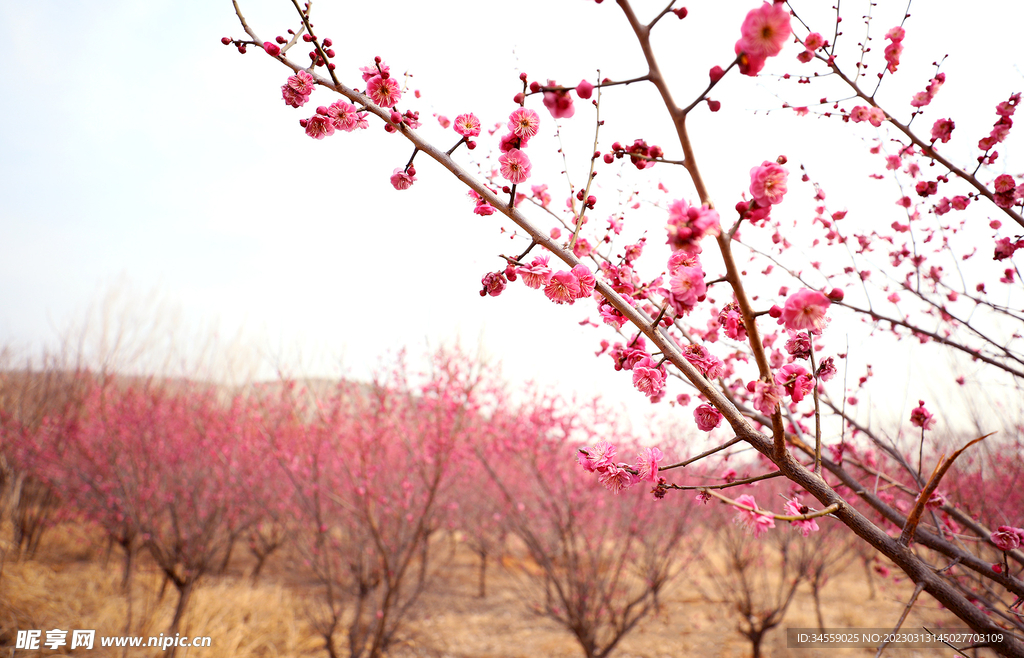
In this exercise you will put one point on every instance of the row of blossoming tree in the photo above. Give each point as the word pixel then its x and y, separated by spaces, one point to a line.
pixel 361 485
pixel 939 269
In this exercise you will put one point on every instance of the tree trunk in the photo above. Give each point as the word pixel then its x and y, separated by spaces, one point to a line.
pixel 482 575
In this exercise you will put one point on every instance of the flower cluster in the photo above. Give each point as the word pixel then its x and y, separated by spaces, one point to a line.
pixel 688 225
pixel 640 154
pixel 873 115
pixel 762 35
pixel 558 101
pixel 923 98
pixel 523 124
pixel 921 417
pixel 1002 126
pixel 894 48
pixel 565 287
pixel 618 476
pixel 297 89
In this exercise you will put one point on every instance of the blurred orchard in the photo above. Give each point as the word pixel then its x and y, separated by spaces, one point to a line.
pixel 732 314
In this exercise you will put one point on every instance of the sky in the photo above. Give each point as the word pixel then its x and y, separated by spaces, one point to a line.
pixel 153 184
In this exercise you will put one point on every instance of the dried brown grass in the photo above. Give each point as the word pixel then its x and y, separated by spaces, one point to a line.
pixel 70 584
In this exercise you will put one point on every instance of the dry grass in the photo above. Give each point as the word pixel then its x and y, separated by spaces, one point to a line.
pixel 70 585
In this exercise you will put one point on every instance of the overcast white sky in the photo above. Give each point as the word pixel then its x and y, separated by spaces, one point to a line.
pixel 140 155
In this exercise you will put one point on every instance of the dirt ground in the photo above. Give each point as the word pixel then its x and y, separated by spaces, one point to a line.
pixel 70 584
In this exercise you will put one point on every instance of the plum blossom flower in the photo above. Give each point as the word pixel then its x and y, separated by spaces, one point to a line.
pixel 762 35
pixel 687 224
pixel 921 417
pixel 703 360
pixel 524 123
pixel 758 522
pixel 796 380
pixel 559 103
pixel 805 311
pixel 687 284
pixel 827 369
pixel 768 183
pixel 794 508
pixel 585 279
pixel 942 130
pixel 375 69
pixel 345 117
pixel 385 92
pixel 319 126
pixel 1007 538
pixel 647 464
pixel 493 284
pixel 466 125
pixel 799 346
pixel 616 478
pixel 562 288
pixel 766 396
pixel 515 166
pixel 765 30
pixel 707 417
pixel 537 274
pixel 401 179
pixel 648 376
pixel 894 48
pixel 813 41
pixel 598 457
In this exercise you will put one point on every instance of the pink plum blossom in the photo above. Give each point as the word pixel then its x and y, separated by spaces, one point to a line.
pixel 559 103
pixel 796 380
pixel 385 92
pixel 537 274
pixel 894 48
pixel 585 279
pixel 598 457
pixel 319 126
pixel 707 417
pixel 827 369
pixel 617 479
pixel 687 224
pixel 763 34
pixel 401 179
pixel 707 363
pixel 515 166
pixel 921 417
pixel 794 508
pixel 647 464
pixel 942 130
pixel 524 123
pixel 687 284
pixel 562 288
pixel 805 311
pixel 766 396
pixel 648 376
pixel 345 117
pixel 466 125
pixel 1007 538
pixel 297 89
pixel 758 522
pixel 768 183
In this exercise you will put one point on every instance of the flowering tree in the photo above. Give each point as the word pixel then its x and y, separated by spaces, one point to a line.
pixel 596 564
pixel 371 468
pixel 736 310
